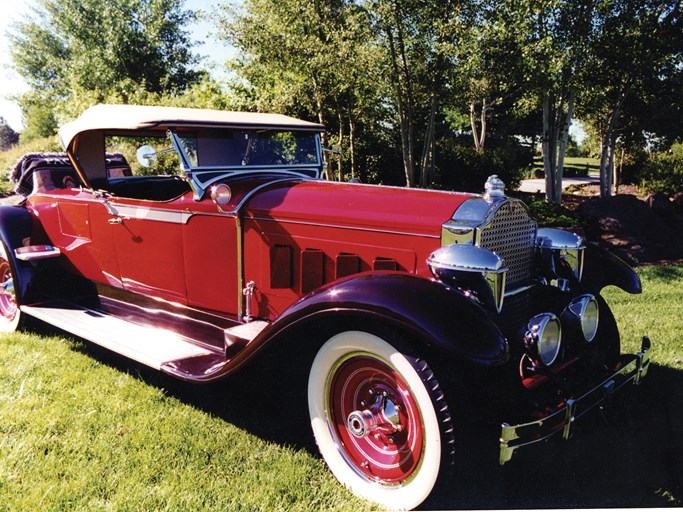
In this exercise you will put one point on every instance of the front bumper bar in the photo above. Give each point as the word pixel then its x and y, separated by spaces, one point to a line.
pixel 514 437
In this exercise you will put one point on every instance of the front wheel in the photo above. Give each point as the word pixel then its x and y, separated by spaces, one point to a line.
pixel 379 418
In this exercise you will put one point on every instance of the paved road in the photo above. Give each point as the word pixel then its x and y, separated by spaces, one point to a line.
pixel 538 185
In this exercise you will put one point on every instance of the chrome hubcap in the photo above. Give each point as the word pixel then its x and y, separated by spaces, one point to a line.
pixel 381 418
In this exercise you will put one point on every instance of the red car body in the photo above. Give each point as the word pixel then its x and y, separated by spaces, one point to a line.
pixel 195 272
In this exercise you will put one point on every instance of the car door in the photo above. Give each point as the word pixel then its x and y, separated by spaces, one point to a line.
pixel 77 222
pixel 149 247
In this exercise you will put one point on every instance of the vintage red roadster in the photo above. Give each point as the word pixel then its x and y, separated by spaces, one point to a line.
pixel 403 300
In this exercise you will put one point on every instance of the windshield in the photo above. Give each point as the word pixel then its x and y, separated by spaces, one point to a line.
pixel 244 148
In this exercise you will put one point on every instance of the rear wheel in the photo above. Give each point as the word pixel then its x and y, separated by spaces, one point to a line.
pixel 379 418
pixel 10 315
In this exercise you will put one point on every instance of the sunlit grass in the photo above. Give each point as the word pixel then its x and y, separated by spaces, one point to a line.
pixel 657 312
pixel 83 430
pixel 573 166
pixel 77 434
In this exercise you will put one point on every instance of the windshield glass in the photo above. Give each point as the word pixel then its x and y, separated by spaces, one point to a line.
pixel 242 148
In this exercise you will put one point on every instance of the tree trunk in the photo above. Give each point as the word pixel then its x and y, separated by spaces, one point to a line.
pixel 617 172
pixel 428 147
pixel 478 131
pixel 559 172
pixel 404 114
pixel 549 147
pixel 482 135
pixel 323 136
pixel 340 119
pixel 475 128
pixel 352 147
pixel 609 138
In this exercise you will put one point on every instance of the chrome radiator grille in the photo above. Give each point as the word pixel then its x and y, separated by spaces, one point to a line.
pixel 511 234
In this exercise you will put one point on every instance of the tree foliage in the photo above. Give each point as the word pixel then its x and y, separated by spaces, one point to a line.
pixel 73 54
pixel 490 68
pixel 413 92
pixel 637 52
pixel 8 137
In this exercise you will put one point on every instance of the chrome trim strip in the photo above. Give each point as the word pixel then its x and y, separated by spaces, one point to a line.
pixel 150 214
pixel 339 226
pixel 517 291
pixel 513 437
pixel 240 266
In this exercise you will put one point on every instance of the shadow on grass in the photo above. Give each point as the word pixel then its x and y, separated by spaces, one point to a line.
pixel 630 454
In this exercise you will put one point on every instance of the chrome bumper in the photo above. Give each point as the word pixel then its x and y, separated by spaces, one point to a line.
pixel 514 437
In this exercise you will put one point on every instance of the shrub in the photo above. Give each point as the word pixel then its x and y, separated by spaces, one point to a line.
pixel 462 168
pixel 664 173
pixel 553 215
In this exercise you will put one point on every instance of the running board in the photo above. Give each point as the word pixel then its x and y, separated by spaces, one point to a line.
pixel 150 346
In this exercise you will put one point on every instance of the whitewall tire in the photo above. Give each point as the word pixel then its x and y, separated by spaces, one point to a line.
pixel 379 419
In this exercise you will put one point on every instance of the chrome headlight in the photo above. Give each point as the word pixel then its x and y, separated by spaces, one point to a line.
pixel 585 309
pixel 568 247
pixel 472 268
pixel 544 338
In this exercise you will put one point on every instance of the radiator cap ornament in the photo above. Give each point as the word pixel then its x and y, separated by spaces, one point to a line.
pixel 494 188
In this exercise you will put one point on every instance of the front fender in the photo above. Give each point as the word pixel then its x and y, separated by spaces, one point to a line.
pixel 16 224
pixel 434 314
pixel 602 268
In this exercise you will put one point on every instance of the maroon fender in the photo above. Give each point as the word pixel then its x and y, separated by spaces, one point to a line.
pixel 16 224
pixel 432 313
pixel 603 268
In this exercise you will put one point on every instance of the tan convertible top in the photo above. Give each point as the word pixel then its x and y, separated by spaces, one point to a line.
pixel 136 117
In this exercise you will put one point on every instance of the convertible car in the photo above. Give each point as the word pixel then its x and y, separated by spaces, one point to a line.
pixel 192 241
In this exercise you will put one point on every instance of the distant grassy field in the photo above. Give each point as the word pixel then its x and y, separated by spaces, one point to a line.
pixel 573 166
pixel 82 429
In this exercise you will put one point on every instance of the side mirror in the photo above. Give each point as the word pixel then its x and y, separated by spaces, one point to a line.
pixel 146 156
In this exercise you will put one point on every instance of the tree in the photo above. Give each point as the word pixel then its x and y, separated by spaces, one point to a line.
pixel 306 58
pixel 489 66
pixel 558 38
pixel 8 137
pixel 637 50
pixel 73 54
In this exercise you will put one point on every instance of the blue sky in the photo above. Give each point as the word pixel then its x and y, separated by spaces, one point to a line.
pixel 10 83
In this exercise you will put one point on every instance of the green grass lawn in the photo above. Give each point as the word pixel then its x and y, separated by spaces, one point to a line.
pixel 573 166
pixel 82 429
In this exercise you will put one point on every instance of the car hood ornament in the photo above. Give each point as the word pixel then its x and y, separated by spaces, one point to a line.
pixel 494 188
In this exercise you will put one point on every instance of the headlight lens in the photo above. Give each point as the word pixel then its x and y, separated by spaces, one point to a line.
pixel 586 309
pixel 544 337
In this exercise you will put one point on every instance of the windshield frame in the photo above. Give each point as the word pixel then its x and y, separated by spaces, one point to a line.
pixel 202 177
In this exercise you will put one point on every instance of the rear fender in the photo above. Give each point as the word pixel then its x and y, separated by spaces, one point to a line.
pixel 16 224
pixel 433 314
pixel 602 268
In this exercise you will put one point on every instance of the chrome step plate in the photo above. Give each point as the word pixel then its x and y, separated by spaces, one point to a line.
pixel 147 345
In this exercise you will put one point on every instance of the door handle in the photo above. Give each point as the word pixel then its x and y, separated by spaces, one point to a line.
pixel 115 220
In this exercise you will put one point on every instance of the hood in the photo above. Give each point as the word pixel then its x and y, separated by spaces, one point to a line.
pixel 373 207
